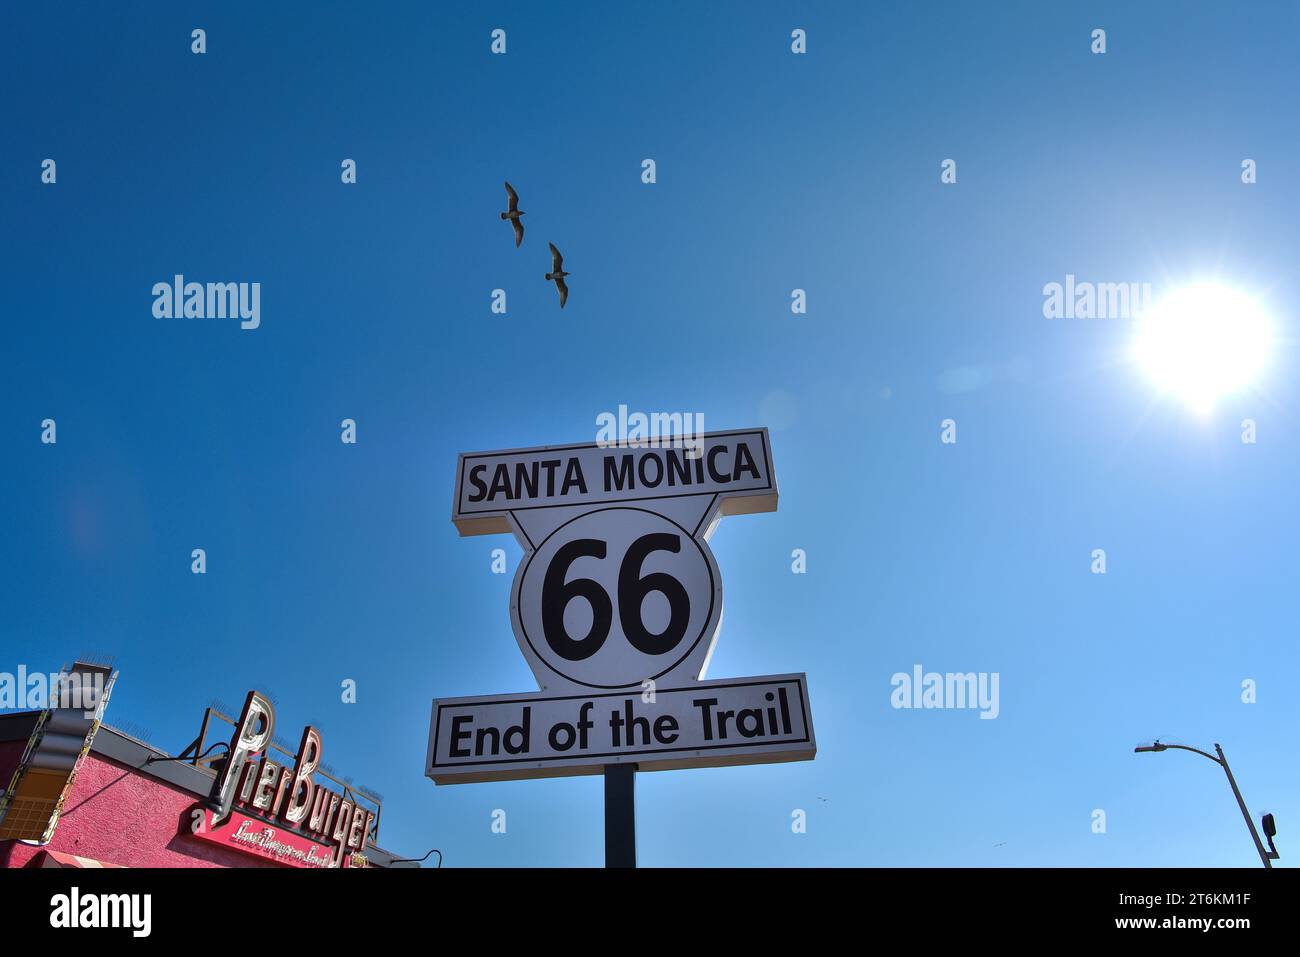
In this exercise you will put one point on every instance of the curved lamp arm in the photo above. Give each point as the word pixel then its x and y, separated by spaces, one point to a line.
pixel 1181 747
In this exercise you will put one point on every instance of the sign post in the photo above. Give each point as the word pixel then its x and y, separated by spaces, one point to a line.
pixel 620 815
pixel 616 607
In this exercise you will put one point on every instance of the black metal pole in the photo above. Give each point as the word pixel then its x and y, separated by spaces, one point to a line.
pixel 1241 803
pixel 1222 762
pixel 620 815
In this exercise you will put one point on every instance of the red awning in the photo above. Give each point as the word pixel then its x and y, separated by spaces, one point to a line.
pixel 60 859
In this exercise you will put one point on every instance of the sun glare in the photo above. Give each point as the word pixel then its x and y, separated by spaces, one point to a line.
pixel 1203 342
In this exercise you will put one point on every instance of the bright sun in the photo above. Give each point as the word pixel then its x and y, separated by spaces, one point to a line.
pixel 1203 342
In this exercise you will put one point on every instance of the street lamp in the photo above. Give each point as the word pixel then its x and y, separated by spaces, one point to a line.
pixel 1270 832
pixel 1222 762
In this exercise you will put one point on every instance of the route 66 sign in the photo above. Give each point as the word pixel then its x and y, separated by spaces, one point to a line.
pixel 616 606
pixel 616 596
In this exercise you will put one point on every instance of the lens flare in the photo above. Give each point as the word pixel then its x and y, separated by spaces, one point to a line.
pixel 1203 342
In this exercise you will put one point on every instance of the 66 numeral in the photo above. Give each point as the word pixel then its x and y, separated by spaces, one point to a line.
pixel 633 587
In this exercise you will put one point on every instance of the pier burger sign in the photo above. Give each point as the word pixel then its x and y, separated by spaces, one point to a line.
pixel 616 606
pixel 270 810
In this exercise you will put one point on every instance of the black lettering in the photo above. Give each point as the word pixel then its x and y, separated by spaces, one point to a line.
pixel 487 734
pixel 665 729
pixel 706 705
pixel 723 717
pixel 525 479
pixel 475 479
pixel 500 482
pixel 615 728
pixel 569 734
pixel 646 481
pixel 635 723
pixel 573 476
pixel 744 462
pixel 720 477
pixel 753 715
pixel 785 710
pixel 679 467
pixel 550 465
pixel 457 734
pixel 615 481
pixel 520 734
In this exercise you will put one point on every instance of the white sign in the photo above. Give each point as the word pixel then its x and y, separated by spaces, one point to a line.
pixel 493 485
pixel 618 593
pixel 707 724
pixel 615 596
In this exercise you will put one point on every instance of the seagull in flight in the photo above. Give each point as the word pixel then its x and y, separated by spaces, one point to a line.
pixel 557 273
pixel 513 215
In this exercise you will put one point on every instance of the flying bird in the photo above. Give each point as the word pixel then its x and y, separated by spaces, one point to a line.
pixel 557 273
pixel 513 215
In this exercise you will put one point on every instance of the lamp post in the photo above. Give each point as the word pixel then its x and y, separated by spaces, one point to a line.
pixel 1222 762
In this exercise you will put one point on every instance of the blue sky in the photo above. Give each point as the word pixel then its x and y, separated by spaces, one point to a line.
pixel 775 171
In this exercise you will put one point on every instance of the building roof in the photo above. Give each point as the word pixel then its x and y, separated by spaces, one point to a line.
pixel 120 747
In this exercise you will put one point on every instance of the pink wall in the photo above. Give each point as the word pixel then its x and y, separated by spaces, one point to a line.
pixel 119 816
